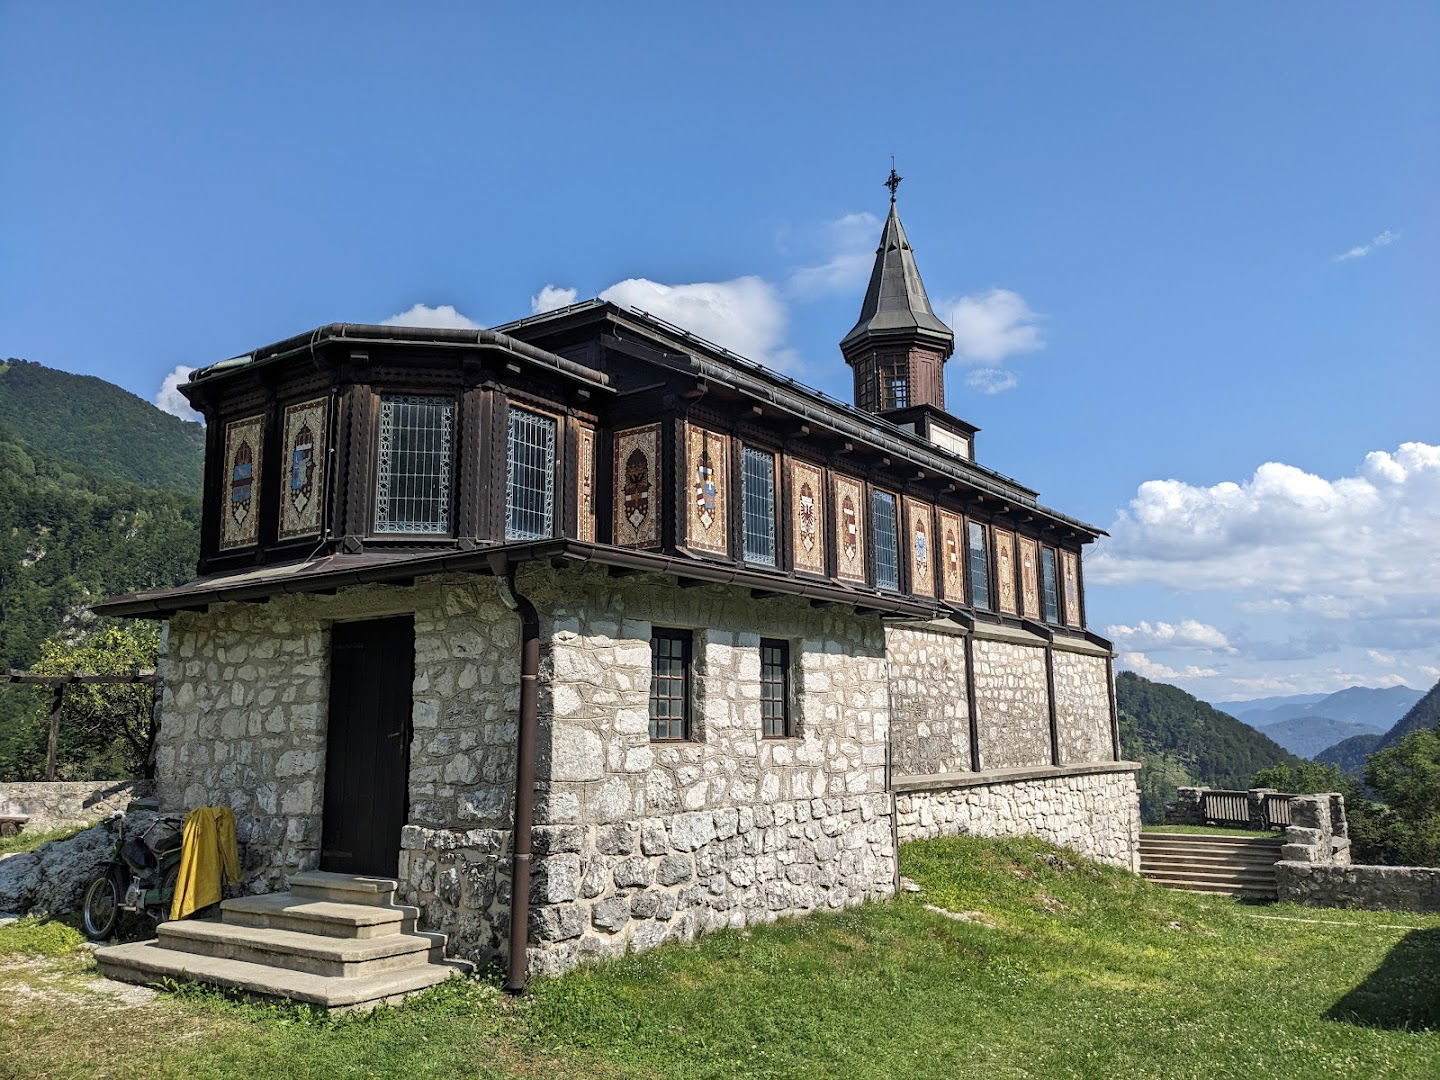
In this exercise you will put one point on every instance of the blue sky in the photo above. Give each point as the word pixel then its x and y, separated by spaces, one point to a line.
pixel 1178 242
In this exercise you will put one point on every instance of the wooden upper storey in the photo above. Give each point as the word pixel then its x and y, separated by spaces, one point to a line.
pixel 613 428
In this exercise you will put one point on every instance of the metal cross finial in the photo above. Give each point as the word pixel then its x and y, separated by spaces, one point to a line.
pixel 893 180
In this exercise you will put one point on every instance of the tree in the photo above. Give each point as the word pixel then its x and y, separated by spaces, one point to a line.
pixel 106 730
pixel 1368 820
pixel 1407 777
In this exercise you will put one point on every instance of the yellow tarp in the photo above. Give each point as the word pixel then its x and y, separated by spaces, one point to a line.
pixel 207 849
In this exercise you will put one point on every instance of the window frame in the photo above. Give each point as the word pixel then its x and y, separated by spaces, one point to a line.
pixel 877 495
pixel 973 587
pixel 448 475
pixel 686 640
pixel 1050 598
pixel 551 471
pixel 772 561
pixel 786 683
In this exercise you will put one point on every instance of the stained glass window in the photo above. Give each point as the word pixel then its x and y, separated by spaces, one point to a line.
pixel 1049 586
pixel 979 559
pixel 758 497
pixel 887 540
pixel 412 486
pixel 530 477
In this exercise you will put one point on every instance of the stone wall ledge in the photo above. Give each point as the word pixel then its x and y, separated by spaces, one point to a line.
pixel 983 631
pixel 948 781
pixel 1376 888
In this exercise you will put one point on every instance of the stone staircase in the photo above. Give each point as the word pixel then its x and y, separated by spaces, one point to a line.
pixel 333 940
pixel 1234 865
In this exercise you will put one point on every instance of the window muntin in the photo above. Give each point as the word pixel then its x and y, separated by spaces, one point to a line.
pixel 757 496
pixel 775 689
pixel 978 558
pixel 530 476
pixel 887 540
pixel 1049 586
pixel 412 477
pixel 670 684
pixel 897 391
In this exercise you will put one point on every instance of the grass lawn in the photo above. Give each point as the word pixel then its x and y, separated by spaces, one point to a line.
pixel 1056 968
pixel 1210 830
pixel 29 841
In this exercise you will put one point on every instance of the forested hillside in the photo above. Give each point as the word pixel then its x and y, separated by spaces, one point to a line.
pixel 1425 713
pixel 107 432
pixel 1349 754
pixel 1182 741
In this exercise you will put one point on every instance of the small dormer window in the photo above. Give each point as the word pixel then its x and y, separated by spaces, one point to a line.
pixel 412 476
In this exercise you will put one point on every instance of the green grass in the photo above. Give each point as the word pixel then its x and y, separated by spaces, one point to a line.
pixel 29 841
pixel 1063 969
pixel 1210 830
pixel 39 937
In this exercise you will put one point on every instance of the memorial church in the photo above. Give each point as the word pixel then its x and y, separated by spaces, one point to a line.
pixel 583 634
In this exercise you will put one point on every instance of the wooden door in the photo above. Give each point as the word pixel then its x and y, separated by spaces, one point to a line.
pixel 367 762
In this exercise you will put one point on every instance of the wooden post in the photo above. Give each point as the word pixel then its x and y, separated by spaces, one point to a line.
pixel 57 699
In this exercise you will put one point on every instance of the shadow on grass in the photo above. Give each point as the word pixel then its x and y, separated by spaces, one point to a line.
pixel 1403 993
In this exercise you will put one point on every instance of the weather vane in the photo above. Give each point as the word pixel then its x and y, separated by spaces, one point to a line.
pixel 893 180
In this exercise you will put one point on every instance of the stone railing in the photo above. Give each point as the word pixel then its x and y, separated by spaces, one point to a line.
pixel 49 805
pixel 1315 865
pixel 1257 808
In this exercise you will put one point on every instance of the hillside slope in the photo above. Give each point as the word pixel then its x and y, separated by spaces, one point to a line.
pixel 1308 735
pixel 108 432
pixel 1350 754
pixel 1182 741
pixel 1373 708
pixel 1425 713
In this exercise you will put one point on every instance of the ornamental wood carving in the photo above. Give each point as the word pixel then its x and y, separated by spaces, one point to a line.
pixel 240 492
pixel 302 488
pixel 707 463
pixel 1029 578
pixel 637 487
pixel 1005 570
pixel 849 518
pixel 585 482
pixel 1070 564
pixel 920 532
pixel 952 557
pixel 807 517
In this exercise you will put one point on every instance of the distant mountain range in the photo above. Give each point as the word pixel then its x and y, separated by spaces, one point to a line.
pixel 1307 724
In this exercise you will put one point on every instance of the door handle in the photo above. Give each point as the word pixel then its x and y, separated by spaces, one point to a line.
pixel 396 734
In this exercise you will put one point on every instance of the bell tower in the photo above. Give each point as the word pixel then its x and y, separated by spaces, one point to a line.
pixel 898 348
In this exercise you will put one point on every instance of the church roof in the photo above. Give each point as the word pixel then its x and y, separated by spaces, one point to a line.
pixel 895 302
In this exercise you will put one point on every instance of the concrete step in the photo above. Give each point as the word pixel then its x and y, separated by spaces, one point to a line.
pixel 1206 860
pixel 315 954
pixel 150 963
pixel 1148 838
pixel 343 888
pixel 1195 873
pixel 286 911
pixel 1271 854
pixel 1242 892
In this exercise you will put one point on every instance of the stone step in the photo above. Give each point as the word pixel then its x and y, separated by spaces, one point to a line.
pixel 286 911
pixel 314 954
pixel 1201 873
pixel 1229 862
pixel 148 962
pixel 1271 852
pixel 1147 838
pixel 1239 892
pixel 343 888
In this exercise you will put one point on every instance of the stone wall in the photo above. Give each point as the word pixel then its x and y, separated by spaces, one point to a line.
pixel 1082 707
pixel 1012 708
pixel 660 841
pixel 930 713
pixel 1095 813
pixel 246 688
pixel 78 802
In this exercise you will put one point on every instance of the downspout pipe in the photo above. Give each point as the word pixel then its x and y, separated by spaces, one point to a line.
pixel 517 970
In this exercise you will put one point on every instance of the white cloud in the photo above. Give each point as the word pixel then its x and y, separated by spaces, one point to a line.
pixel 444 317
pixel 1380 658
pixel 1385 239
pixel 1360 545
pixel 991 327
pixel 746 314
pixel 1186 634
pixel 849 246
pixel 1141 664
pixel 989 380
pixel 169 399
pixel 551 297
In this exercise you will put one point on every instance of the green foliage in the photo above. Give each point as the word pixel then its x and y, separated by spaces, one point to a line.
pixel 1349 754
pixel 105 730
pixel 1181 742
pixel 1424 714
pixel 108 432
pixel 39 937
pixel 1406 777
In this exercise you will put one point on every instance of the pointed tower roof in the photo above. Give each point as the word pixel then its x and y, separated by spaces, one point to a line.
pixel 896 304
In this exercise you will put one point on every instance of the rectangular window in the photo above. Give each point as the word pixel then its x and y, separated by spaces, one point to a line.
pixel 412 476
pixel 670 684
pixel 887 540
pixel 1049 586
pixel 775 688
pixel 530 477
pixel 979 561
pixel 897 391
pixel 757 495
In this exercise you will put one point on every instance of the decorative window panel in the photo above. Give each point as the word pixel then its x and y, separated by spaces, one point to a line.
pixel 240 512
pixel 922 546
pixel 1029 578
pixel 302 488
pixel 585 482
pixel 1005 571
pixel 412 477
pixel 952 557
pixel 529 476
pixel 757 496
pixel 1049 585
pixel 637 487
pixel 707 458
pixel 978 556
pixel 807 517
pixel 887 540
pixel 1070 570
pixel 849 529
